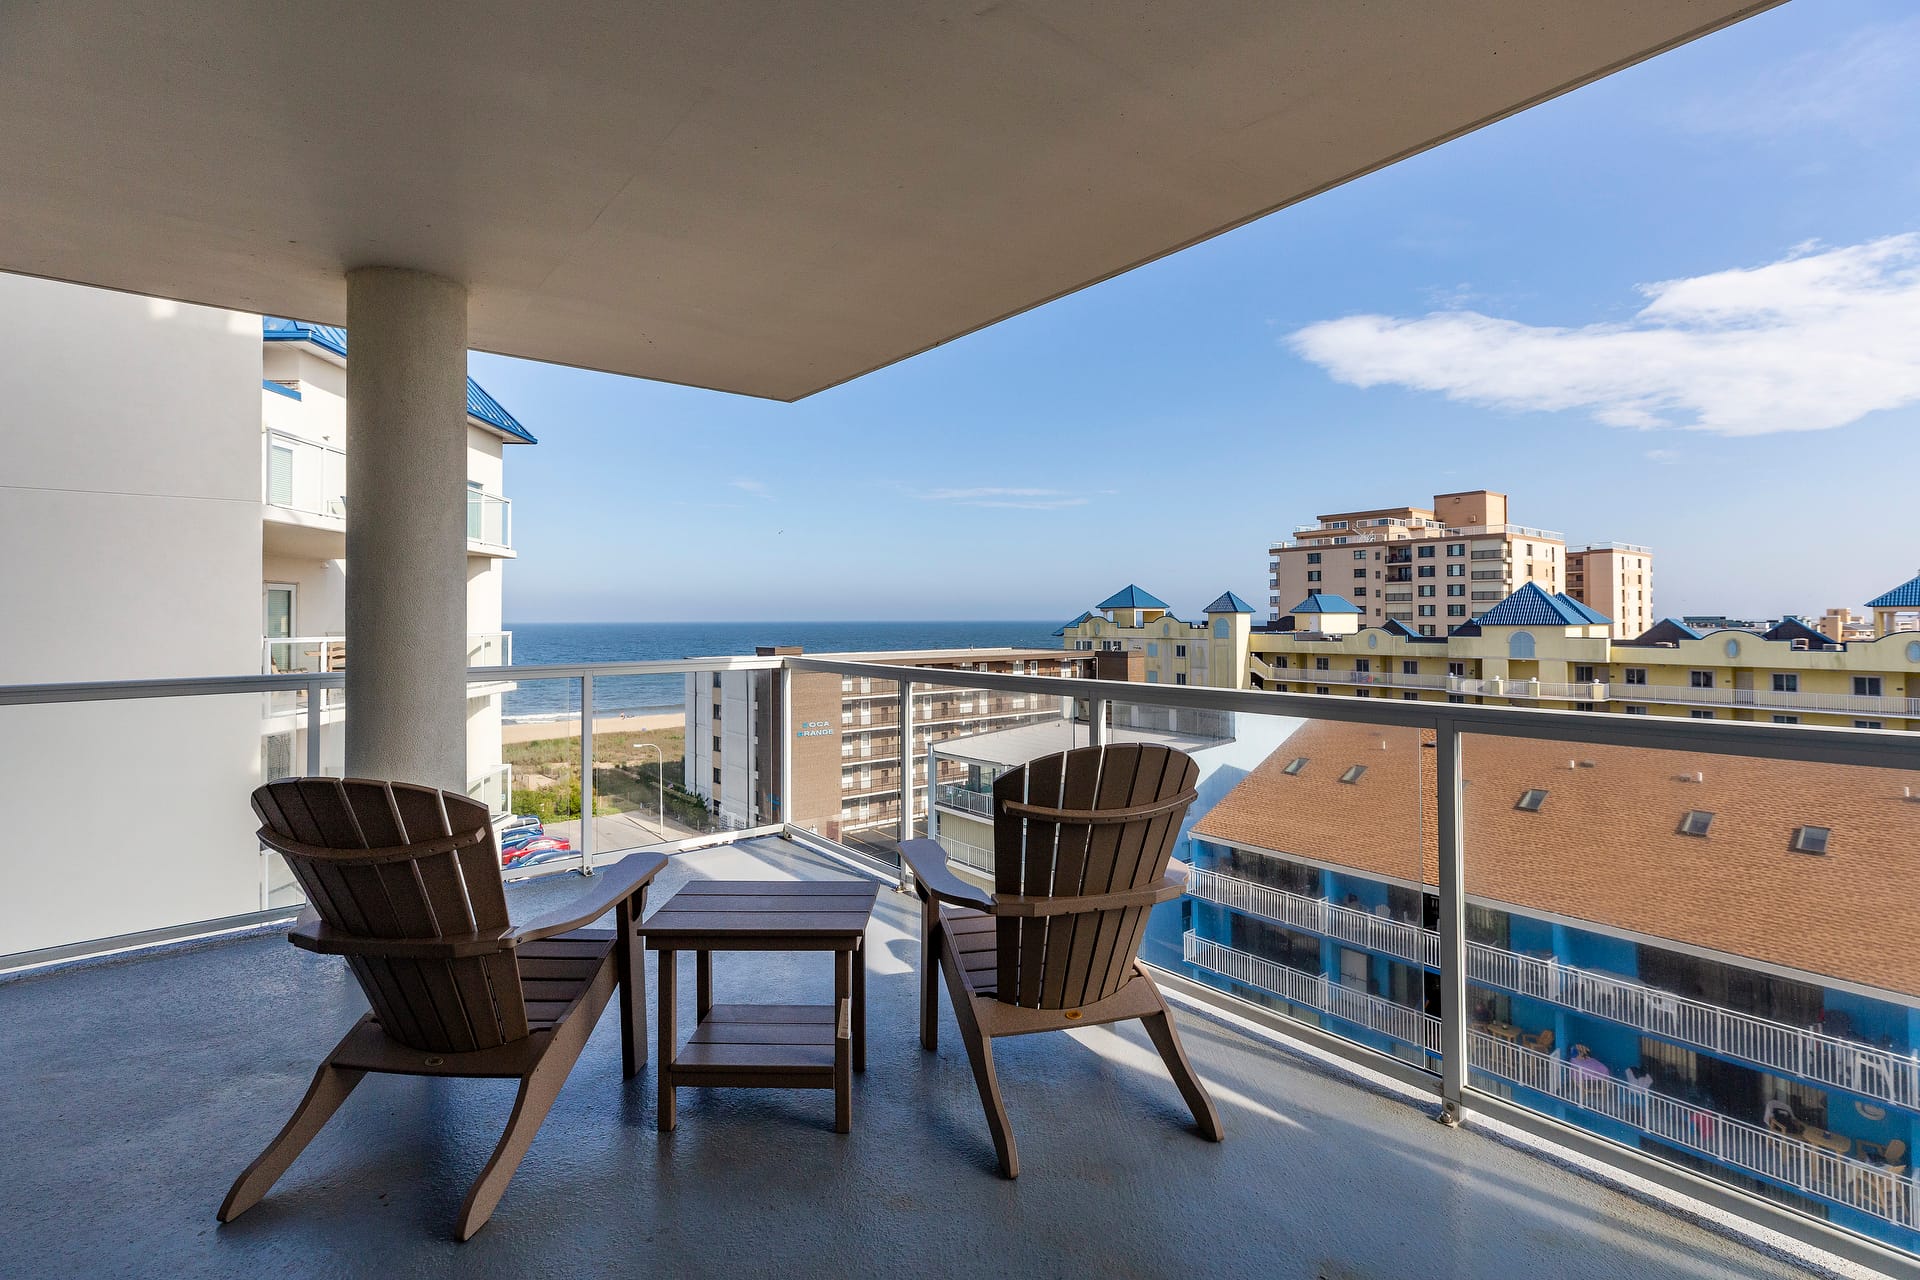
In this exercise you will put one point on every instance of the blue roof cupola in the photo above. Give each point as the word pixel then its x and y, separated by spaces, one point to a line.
pixel 1079 621
pixel 1531 606
pixel 1904 596
pixel 1132 597
pixel 1325 604
pixel 332 338
pixel 1228 603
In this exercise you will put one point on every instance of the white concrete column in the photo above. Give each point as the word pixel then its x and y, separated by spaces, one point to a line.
pixel 406 527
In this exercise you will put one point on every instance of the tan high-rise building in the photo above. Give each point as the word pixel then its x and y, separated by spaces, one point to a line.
pixel 1614 578
pixel 1431 568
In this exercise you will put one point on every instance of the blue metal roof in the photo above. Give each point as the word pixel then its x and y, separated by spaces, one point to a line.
pixel 1531 606
pixel 1132 597
pixel 1325 604
pixel 1395 627
pixel 1587 611
pixel 1071 625
pixel 1904 596
pixel 1228 603
pixel 332 337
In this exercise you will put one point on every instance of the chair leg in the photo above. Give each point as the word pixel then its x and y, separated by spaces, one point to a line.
pixel 980 1055
pixel 538 1089
pixel 329 1089
pixel 1167 1041
pixel 629 958
pixel 929 960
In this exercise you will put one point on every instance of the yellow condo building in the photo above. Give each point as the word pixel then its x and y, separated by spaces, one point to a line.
pixel 1212 652
pixel 1545 649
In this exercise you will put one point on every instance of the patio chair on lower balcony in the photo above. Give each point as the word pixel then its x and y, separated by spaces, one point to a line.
pixel 405 884
pixel 1081 847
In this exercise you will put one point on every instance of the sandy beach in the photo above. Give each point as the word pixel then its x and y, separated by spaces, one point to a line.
pixel 570 728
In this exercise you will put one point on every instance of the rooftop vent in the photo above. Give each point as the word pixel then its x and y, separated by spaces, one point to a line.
pixel 1353 773
pixel 1696 822
pixel 1810 840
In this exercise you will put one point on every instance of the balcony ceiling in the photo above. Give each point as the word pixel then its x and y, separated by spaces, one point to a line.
pixel 761 198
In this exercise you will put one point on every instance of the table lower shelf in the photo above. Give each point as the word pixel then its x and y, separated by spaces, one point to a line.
pixel 769 1045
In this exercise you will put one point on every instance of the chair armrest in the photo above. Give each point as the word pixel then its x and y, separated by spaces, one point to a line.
pixel 310 934
pixel 930 871
pixel 610 888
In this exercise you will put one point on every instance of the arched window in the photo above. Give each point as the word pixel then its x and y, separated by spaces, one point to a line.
pixel 1220 628
pixel 1520 646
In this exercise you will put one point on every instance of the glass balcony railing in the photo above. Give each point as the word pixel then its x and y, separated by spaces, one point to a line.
pixel 1681 943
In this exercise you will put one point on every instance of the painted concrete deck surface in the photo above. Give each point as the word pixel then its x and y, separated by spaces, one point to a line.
pixel 137 1090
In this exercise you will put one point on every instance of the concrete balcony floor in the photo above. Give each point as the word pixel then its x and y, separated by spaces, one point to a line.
pixel 138 1089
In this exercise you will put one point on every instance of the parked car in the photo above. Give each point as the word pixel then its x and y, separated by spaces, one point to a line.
pixel 517 831
pixel 535 851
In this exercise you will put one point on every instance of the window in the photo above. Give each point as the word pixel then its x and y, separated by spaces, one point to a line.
pixel 1352 775
pixel 1786 682
pixel 1424 571
pixel 1426 611
pixel 716 679
pixel 1363 665
pixel 1427 628
pixel 1636 711
pixel 1531 799
pixel 1320 664
pixel 1866 686
pixel 1456 611
pixel 1280 664
pixel 1700 679
pixel 1313 591
pixel 1409 667
pixel 1786 719
pixel 1359 573
pixel 1363 693
pixel 1359 555
pixel 1153 677
pixel 1425 553
pixel 1313 557
pixel 1698 714
pixel 1321 688
pixel 1179 651
pixel 1294 766
pixel 1456 571
pixel 1153 649
pixel 1359 591
pixel 1456 589
pixel 1313 575
pixel 1696 822
pixel 1456 668
pixel 1425 589
pixel 1179 677
pixel 1409 696
pixel 1869 724
pixel 1520 646
pixel 1810 839
pixel 1636 675
pixel 1582 674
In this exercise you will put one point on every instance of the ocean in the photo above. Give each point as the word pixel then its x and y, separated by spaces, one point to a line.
pixel 540 643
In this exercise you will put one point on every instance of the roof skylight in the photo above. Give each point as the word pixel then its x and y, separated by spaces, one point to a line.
pixel 1353 773
pixel 1696 822
pixel 1531 799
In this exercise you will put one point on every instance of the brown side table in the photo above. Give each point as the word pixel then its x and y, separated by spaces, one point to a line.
pixel 765 1046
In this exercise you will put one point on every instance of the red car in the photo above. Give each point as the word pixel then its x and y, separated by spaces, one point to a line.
pixel 535 851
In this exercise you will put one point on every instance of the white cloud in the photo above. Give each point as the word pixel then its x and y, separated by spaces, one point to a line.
pixel 1662 455
pixel 1855 84
pixel 1815 340
pixel 758 488
pixel 1018 499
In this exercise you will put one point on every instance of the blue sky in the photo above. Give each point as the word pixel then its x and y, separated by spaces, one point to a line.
pixel 1478 316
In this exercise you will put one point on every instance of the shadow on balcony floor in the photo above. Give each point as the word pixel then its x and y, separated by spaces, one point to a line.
pixel 137 1090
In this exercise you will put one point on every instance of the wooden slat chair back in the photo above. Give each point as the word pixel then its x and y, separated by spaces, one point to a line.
pixel 1086 823
pixel 393 860
pixel 403 882
pixel 1082 848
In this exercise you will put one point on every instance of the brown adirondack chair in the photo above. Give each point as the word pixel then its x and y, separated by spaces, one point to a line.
pixel 404 882
pixel 1081 846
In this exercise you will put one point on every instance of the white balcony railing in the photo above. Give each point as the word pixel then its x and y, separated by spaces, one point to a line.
pixel 493 788
pixel 965 800
pixel 283 655
pixel 1831 1060
pixel 1857 1184
pixel 489 519
pixel 304 476
pixel 1684 695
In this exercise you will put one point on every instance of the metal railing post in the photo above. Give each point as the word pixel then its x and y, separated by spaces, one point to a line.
pixel 1453 926
pixel 316 703
pixel 784 728
pixel 906 762
pixel 587 841
pixel 1097 722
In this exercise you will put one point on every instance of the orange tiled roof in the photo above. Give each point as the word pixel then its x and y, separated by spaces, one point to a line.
pixel 1605 845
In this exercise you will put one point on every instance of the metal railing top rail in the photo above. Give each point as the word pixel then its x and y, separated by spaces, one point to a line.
pixel 1874 748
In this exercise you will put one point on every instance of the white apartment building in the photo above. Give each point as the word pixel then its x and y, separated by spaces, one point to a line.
pixel 179 472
